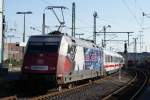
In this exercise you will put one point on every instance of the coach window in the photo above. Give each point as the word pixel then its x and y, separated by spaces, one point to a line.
pixel 121 60
pixel 117 59
pixel 105 58
pixel 109 58
pixel 113 59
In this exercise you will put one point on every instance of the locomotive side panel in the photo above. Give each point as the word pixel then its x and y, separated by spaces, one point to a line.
pixel 62 60
pixel 77 67
pixel 93 61
pixel 86 65
pixel 79 59
pixel 81 62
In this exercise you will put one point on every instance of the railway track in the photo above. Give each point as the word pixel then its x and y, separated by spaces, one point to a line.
pixel 82 92
pixel 90 91
pixel 9 98
pixel 67 92
pixel 131 90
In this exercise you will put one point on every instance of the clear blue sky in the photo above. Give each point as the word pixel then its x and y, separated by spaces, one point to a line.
pixel 122 15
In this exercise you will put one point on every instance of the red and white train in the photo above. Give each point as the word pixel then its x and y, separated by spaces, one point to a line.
pixel 63 59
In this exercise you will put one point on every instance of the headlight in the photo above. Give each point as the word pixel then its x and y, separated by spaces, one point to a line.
pixel 26 67
pixel 52 68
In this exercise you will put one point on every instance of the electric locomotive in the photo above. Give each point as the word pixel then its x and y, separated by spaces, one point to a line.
pixel 63 59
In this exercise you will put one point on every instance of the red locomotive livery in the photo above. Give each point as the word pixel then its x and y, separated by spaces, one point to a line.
pixel 63 59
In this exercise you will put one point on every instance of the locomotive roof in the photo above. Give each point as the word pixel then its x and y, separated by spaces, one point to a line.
pixel 82 42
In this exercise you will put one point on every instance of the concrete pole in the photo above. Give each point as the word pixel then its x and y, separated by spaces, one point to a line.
pixel 43 25
pixel 104 36
pixel 73 19
pixel 94 32
pixel 24 26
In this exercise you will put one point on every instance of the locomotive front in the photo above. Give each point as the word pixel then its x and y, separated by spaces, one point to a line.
pixel 40 59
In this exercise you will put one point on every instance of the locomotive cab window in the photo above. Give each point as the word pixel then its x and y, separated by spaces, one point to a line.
pixel 38 47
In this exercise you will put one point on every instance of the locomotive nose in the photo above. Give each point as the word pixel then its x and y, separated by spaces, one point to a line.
pixel 40 63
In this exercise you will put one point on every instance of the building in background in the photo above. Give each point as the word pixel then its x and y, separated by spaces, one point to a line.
pixel 138 58
pixel 12 51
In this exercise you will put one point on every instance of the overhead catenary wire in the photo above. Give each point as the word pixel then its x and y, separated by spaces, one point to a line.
pixel 77 19
pixel 80 20
pixel 130 11
pixel 46 2
pixel 141 12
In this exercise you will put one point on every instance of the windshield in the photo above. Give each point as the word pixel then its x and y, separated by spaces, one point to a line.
pixel 42 47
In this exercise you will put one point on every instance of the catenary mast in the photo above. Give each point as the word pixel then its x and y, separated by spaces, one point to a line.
pixel 1 31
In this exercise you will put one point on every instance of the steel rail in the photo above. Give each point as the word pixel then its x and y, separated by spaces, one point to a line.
pixel 146 79
pixel 61 93
pixel 67 91
pixel 9 98
pixel 57 95
pixel 120 89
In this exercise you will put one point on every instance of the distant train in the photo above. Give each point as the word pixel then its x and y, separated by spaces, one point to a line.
pixel 63 59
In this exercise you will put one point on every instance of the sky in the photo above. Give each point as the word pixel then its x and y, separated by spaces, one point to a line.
pixel 122 15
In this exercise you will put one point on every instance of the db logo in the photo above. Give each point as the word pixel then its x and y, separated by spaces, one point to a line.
pixel 40 61
pixel 41 55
